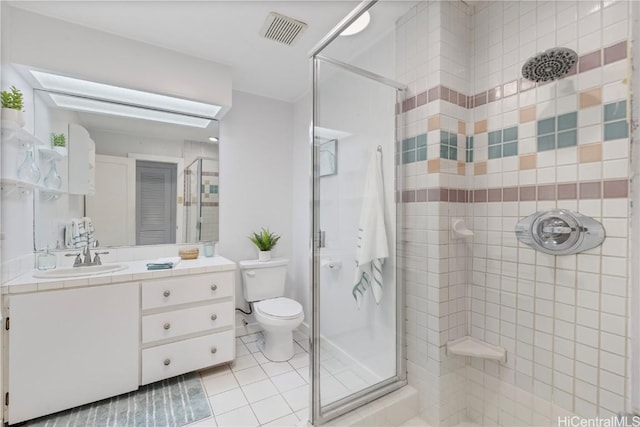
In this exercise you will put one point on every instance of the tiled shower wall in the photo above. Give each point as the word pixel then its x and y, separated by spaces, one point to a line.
pixel 483 144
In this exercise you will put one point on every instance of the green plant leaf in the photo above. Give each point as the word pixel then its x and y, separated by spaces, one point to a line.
pixel 264 240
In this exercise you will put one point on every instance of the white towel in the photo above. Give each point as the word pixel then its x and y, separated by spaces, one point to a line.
pixel 89 230
pixel 372 246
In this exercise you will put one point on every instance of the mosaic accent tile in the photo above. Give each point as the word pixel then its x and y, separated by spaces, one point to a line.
pixel 616 130
pixel 547 192
pixel 590 98
pixel 615 111
pixel 469 149
pixel 589 61
pixel 607 189
pixel 567 191
pixel 433 166
pixel 527 194
pixel 433 123
pixel 615 189
pixel 586 62
pixel 462 127
pixel 480 127
pixel 480 168
pixel 528 114
pixel 615 53
pixel 510 194
pixel 448 145
pixel 590 153
pixel 414 149
pixel 590 190
pixel 567 139
pixel 528 161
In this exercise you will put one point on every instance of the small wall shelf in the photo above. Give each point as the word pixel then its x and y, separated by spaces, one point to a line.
pixel 473 347
pixel 11 185
pixel 11 132
pixel 50 153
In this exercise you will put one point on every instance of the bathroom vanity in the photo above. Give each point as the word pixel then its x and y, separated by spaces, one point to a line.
pixel 76 340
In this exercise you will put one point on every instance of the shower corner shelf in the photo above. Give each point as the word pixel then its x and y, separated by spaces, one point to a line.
pixel 473 347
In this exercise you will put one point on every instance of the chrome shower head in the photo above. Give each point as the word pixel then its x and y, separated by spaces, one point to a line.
pixel 551 64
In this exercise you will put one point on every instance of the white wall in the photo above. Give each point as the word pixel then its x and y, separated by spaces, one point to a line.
pixel 54 45
pixel 301 204
pixel 17 210
pixel 256 178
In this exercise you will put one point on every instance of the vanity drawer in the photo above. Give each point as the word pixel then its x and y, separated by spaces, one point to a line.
pixel 184 290
pixel 172 324
pixel 173 359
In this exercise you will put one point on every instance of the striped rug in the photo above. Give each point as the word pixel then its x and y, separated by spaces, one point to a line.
pixel 173 402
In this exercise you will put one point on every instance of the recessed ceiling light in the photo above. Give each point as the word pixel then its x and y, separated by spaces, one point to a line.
pixel 104 107
pixel 357 25
pixel 213 139
pixel 122 95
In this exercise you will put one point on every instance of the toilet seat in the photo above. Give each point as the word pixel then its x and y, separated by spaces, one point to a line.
pixel 279 308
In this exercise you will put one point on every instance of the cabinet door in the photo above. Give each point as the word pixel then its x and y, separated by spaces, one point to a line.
pixel 71 347
pixel 82 153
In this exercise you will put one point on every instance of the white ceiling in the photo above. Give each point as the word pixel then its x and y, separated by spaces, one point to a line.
pixel 226 32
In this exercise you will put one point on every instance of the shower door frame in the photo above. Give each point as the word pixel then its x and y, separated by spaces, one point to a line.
pixel 319 415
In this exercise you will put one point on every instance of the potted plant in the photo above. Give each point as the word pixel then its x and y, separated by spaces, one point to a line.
pixel 264 241
pixel 59 143
pixel 12 104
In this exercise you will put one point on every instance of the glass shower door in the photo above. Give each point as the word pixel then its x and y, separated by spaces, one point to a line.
pixel 357 351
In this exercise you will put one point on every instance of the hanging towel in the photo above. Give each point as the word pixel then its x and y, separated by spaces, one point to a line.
pixel 89 230
pixel 78 234
pixel 372 246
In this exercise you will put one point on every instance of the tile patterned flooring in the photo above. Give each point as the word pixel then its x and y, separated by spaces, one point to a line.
pixel 254 391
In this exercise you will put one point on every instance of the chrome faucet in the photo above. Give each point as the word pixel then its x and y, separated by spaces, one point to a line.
pixel 78 262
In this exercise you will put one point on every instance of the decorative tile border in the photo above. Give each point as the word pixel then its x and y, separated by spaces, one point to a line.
pixel 586 62
pixel 606 189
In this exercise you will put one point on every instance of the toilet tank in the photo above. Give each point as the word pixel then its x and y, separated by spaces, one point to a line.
pixel 263 280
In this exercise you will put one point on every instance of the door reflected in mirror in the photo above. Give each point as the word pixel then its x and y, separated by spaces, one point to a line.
pixel 127 181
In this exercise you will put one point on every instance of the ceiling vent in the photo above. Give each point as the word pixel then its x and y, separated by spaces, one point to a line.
pixel 282 29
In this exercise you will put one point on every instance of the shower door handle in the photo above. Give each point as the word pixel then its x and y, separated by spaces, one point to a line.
pixel 321 239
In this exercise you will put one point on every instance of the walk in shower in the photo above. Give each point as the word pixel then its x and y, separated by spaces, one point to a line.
pixel 200 200
pixel 358 307
pixel 516 114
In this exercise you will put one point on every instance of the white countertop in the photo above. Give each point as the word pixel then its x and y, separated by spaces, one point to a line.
pixel 135 271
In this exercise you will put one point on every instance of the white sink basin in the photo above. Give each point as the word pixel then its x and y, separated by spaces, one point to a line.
pixel 60 273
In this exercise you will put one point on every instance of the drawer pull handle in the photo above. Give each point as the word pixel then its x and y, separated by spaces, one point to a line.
pixel 214 350
pixel 214 316
pixel 167 362
pixel 166 293
pixel 214 287
pixel 167 326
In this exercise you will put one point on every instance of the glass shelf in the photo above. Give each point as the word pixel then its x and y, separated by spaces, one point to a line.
pixel 25 188
pixel 50 153
pixel 11 132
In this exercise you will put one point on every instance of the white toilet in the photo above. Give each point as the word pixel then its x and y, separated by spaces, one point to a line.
pixel 263 285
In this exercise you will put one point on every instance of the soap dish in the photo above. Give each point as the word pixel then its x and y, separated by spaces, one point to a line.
pixel 191 253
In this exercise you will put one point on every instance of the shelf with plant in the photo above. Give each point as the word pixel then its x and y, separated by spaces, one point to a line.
pixel 12 106
pixel 58 148
pixel 264 241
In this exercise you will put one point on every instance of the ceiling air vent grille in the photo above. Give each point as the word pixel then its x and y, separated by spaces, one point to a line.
pixel 282 29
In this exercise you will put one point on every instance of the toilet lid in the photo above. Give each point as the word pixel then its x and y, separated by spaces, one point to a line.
pixel 283 308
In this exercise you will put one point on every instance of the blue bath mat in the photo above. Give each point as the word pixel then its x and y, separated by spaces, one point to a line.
pixel 173 402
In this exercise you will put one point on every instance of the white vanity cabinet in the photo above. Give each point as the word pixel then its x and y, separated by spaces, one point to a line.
pixel 93 338
pixel 69 347
pixel 188 323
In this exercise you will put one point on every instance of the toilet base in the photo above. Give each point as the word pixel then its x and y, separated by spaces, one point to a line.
pixel 277 346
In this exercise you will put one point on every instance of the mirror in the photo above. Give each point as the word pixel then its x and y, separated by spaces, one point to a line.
pixel 123 181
